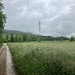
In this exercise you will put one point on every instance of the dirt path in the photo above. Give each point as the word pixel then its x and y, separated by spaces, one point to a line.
pixel 3 60
pixel 9 64
pixel 6 63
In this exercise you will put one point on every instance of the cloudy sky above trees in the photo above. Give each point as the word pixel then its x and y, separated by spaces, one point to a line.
pixel 57 16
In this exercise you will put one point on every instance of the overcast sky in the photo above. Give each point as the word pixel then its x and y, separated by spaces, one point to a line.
pixel 57 16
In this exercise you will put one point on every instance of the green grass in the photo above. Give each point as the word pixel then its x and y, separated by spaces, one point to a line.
pixel 45 58
pixel 0 45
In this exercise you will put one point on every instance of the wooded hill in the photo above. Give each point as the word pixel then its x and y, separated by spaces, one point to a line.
pixel 16 32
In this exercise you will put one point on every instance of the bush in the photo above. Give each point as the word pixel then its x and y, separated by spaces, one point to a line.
pixel 72 38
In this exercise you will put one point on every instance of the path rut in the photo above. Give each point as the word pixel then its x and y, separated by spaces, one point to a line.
pixel 2 60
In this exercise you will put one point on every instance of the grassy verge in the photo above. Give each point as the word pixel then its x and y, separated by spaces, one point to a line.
pixel 47 58
pixel 0 45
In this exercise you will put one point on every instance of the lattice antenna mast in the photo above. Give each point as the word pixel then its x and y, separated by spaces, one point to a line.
pixel 39 28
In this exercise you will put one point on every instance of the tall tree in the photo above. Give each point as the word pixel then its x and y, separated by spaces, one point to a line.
pixel 24 37
pixel 12 38
pixel 2 21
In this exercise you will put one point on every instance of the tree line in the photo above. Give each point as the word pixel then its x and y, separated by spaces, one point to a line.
pixel 27 38
pixel 19 37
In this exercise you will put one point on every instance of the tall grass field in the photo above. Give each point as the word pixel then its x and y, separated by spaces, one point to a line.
pixel 45 58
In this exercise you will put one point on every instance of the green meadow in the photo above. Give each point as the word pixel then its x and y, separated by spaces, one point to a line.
pixel 44 58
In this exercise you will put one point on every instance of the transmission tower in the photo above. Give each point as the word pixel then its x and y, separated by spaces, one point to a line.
pixel 39 23
pixel 39 28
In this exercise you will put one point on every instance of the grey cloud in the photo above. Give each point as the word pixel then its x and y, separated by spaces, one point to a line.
pixel 57 16
pixel 64 24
